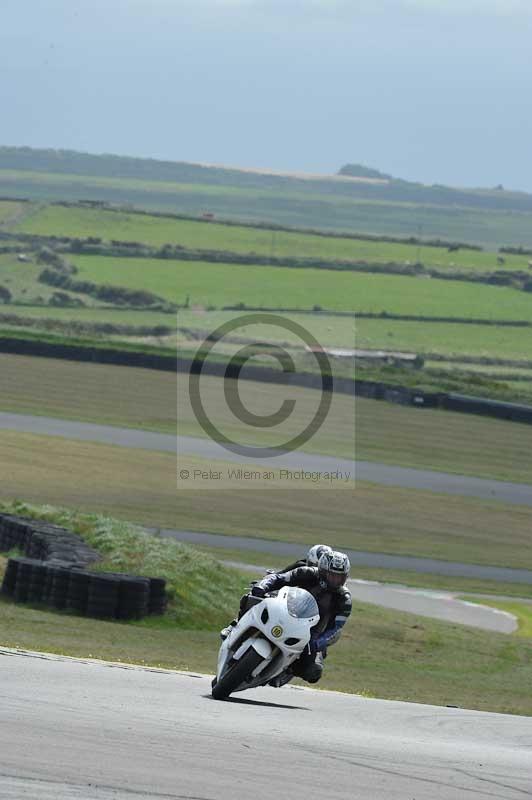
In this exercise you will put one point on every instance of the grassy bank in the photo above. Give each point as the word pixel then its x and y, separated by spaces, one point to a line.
pixel 126 548
pixel 139 485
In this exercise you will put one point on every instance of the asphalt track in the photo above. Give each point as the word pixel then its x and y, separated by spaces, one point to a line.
pixel 79 730
pixel 383 474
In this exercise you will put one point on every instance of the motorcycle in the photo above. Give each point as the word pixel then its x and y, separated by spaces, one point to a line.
pixel 270 636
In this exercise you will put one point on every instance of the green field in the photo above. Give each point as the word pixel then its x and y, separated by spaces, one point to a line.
pixel 204 285
pixel 308 208
pixel 383 432
pixel 513 344
pixel 501 371
pixel 427 338
pixel 9 211
pixel 445 338
pixel 229 284
pixel 107 225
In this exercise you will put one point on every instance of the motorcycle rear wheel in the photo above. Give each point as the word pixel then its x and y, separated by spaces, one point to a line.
pixel 236 674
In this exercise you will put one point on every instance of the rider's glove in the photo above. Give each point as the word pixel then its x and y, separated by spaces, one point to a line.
pixel 258 591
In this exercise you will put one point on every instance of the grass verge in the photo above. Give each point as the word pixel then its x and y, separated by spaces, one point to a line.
pixel 140 485
pixel 143 398
pixel 523 612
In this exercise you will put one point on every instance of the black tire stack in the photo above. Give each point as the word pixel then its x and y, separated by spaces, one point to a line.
pixel 60 577
pixel 102 598
pixel 158 601
pixel 134 597
pixel 78 591
pixel 37 581
pixel 22 585
pixel 53 573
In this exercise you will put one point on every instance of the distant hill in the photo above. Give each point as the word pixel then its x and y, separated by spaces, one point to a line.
pixel 360 199
pixel 70 162
pixel 360 171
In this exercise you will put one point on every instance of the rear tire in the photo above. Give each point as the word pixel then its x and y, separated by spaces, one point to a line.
pixel 236 674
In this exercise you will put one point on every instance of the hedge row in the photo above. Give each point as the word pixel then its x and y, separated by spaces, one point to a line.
pixel 81 328
pixel 53 572
pixel 122 249
pixel 317 309
pixel 108 293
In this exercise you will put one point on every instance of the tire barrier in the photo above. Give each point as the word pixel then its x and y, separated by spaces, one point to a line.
pixel 53 573
pixel 371 389
pixel 514 412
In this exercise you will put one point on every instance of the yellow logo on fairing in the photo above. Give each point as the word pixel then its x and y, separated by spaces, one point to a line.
pixel 277 631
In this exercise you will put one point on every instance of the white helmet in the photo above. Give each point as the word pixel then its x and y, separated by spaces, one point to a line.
pixel 316 552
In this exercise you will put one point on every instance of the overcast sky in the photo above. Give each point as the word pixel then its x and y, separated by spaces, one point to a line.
pixel 431 90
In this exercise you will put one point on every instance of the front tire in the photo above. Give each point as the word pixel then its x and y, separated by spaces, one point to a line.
pixel 236 674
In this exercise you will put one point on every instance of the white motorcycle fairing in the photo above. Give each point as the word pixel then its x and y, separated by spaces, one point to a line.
pixel 278 628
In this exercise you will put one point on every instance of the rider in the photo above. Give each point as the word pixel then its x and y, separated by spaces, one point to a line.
pixel 311 559
pixel 326 583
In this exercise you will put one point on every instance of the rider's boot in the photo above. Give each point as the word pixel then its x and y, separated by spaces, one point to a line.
pixel 281 679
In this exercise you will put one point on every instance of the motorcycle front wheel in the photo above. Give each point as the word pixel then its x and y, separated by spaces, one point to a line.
pixel 236 674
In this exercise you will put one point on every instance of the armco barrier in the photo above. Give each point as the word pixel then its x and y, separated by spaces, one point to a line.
pixel 52 572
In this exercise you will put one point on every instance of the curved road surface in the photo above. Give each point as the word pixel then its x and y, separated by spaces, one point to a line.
pixel 487 489
pixel 76 730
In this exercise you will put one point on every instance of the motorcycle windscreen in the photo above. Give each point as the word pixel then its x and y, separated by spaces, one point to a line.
pixel 301 604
